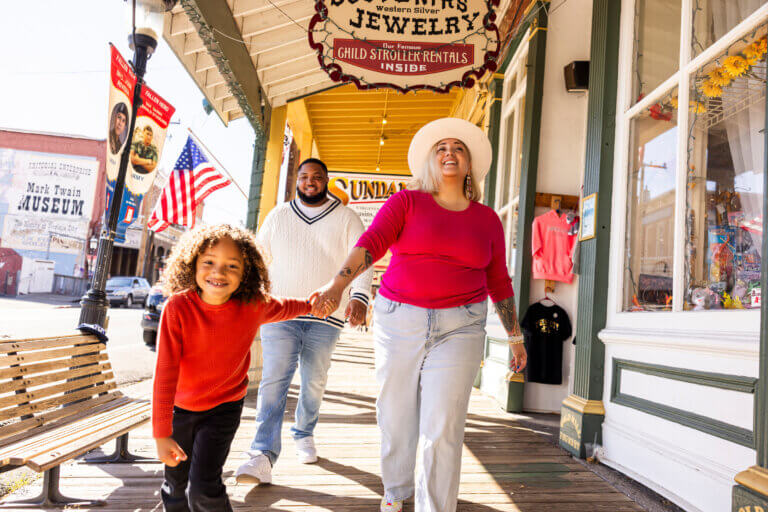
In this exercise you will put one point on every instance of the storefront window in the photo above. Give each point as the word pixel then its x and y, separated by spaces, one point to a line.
pixel 724 200
pixel 712 19
pixel 657 44
pixel 650 208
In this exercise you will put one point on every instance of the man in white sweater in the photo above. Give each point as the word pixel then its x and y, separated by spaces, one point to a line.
pixel 304 242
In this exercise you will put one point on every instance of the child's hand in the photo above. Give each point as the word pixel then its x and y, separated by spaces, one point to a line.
pixel 169 452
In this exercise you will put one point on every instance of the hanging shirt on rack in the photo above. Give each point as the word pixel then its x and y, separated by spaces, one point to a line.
pixel 545 328
pixel 552 247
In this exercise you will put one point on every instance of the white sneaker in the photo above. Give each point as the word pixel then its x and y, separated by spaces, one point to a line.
pixel 305 450
pixel 257 470
pixel 391 506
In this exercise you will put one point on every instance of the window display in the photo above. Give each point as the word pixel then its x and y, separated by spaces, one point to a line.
pixel 650 208
pixel 725 180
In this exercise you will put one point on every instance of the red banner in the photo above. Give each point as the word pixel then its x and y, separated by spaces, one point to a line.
pixel 403 58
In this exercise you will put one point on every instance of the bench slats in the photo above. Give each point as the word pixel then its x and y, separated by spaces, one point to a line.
pixel 44 441
pixel 31 369
pixel 32 396
pixel 88 443
pixel 32 382
pixel 14 432
pixel 60 393
pixel 51 449
pixel 53 402
pixel 41 343
pixel 45 355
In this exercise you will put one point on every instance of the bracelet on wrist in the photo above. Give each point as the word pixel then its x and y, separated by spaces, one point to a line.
pixel 516 340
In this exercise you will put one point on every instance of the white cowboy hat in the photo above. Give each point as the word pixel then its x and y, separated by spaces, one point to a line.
pixel 433 132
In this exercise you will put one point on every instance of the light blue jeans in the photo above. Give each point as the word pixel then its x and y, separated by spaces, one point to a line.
pixel 285 345
pixel 426 362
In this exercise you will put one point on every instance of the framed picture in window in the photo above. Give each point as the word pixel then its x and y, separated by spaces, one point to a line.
pixel 588 217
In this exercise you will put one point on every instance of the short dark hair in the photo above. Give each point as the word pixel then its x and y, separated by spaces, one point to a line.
pixel 315 161
pixel 148 129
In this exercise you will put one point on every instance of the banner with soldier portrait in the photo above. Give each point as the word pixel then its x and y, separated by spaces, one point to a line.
pixel 144 145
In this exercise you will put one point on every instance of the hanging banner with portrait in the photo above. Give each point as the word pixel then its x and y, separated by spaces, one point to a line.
pixel 406 45
pixel 146 142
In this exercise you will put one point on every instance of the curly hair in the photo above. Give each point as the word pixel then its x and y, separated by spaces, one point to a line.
pixel 182 263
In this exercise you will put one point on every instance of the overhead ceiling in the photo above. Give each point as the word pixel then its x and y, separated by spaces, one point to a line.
pixel 274 33
pixel 347 125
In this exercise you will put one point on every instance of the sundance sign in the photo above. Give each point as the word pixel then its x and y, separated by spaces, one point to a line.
pixel 405 44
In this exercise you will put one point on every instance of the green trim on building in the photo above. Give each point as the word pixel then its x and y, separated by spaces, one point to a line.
pixel 689 419
pixel 496 88
pixel 257 179
pixel 761 409
pixel 530 160
pixel 231 57
pixel 738 383
pixel 595 253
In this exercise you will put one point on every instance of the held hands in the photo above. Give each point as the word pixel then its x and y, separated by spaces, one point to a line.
pixel 357 313
pixel 326 300
pixel 169 452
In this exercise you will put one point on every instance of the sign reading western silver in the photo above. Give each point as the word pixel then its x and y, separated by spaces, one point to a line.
pixel 405 44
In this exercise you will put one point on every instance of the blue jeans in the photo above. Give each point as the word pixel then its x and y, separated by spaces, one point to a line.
pixel 426 361
pixel 285 345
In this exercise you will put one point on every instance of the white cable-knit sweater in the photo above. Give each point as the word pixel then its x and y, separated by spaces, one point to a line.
pixel 303 253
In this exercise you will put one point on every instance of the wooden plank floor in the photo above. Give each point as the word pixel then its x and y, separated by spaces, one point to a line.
pixel 506 467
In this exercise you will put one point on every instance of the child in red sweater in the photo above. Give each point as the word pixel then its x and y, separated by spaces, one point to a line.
pixel 219 286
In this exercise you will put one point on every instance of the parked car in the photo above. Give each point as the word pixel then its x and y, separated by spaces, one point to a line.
pixel 153 308
pixel 127 290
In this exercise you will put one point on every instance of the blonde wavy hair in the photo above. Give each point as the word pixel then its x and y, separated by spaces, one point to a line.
pixel 182 263
pixel 430 178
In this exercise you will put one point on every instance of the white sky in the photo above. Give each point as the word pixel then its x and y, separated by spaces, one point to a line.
pixel 54 67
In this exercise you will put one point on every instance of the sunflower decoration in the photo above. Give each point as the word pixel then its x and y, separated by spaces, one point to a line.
pixel 697 107
pixel 753 53
pixel 762 45
pixel 711 90
pixel 720 77
pixel 735 66
pixel 673 102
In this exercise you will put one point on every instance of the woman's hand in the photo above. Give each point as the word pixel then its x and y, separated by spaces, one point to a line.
pixel 327 299
pixel 519 358
pixel 169 452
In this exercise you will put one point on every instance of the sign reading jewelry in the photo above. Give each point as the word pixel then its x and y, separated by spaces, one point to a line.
pixel 405 44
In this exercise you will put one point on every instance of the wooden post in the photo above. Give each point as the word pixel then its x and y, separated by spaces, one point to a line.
pixel 582 413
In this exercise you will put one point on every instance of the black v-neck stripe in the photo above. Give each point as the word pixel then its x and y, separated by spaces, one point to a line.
pixel 312 220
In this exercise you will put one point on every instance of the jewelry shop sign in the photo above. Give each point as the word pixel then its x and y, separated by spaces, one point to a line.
pixel 406 44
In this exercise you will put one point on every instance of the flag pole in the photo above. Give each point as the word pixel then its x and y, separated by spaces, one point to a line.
pixel 208 152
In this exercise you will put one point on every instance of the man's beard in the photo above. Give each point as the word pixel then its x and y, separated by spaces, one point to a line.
pixel 315 199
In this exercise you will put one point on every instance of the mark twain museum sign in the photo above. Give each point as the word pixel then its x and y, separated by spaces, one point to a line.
pixel 405 44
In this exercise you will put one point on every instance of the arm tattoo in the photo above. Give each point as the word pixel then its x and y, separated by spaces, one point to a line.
pixel 351 274
pixel 508 316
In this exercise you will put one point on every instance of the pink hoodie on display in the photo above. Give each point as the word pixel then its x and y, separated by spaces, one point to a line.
pixel 552 248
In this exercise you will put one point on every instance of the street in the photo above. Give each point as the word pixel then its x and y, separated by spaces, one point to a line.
pixel 49 315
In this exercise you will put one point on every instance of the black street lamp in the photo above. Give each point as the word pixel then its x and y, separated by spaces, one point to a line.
pixel 143 42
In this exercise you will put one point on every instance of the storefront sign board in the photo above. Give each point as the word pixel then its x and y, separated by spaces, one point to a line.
pixel 409 45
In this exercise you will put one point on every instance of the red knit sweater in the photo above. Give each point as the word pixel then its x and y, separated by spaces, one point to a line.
pixel 204 352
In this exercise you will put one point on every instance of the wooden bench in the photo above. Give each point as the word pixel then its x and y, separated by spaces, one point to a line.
pixel 57 402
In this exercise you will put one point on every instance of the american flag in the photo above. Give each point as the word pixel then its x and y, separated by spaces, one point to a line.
pixel 190 182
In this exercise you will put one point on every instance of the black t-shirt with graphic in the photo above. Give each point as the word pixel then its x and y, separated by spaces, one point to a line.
pixel 545 329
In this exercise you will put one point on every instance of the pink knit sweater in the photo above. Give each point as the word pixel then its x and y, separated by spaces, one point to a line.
pixel 440 258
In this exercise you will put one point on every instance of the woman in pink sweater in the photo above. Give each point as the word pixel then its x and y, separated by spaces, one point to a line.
pixel 448 257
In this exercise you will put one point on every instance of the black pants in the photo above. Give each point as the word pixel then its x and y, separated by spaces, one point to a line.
pixel 195 485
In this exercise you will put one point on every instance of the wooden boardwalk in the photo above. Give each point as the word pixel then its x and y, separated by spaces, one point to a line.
pixel 506 467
